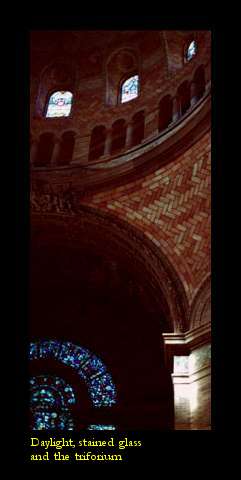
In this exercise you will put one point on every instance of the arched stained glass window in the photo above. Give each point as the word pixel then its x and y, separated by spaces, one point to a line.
pixel 191 50
pixel 130 89
pixel 59 104
pixel 51 397
pixel 50 400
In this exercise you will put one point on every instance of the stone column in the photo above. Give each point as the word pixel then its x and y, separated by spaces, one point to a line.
pixel 188 357
pixel 200 387
pixel 193 94
pixel 175 109
pixel 33 151
pixel 181 386
pixel 129 135
pixel 108 142
pixel 151 128
pixel 55 152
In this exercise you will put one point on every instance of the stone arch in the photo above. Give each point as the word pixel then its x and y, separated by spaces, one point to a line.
pixel 45 149
pixel 183 93
pixel 138 125
pixel 120 64
pixel 57 75
pixel 66 148
pixel 165 113
pixel 200 313
pixel 118 135
pixel 160 281
pixel 97 142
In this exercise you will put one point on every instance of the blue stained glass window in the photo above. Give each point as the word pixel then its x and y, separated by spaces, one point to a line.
pixel 53 392
pixel 59 104
pixel 33 351
pixel 50 400
pixel 49 348
pixel 130 89
pixel 102 391
pixel 191 50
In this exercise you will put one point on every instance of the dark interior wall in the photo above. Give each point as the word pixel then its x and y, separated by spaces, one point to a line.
pixel 96 303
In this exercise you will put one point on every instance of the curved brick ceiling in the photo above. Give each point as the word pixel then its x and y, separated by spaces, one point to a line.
pixel 170 205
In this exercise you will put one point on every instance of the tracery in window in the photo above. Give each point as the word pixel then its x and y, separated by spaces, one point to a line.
pixel 59 104
pixel 50 400
pixel 52 397
pixel 129 89
pixel 191 50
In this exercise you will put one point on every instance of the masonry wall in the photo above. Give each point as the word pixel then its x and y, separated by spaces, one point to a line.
pixel 86 68
pixel 172 207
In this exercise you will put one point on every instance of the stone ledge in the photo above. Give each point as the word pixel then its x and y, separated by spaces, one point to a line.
pixel 144 160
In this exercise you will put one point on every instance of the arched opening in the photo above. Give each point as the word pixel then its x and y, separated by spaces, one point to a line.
pixel 183 93
pixel 138 128
pixel 199 79
pixel 97 143
pixel 165 113
pixel 45 149
pixel 122 79
pixel 91 293
pixel 118 136
pixel 66 148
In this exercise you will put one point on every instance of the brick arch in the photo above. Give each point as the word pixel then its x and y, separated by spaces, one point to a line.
pixel 45 148
pixel 116 71
pixel 111 235
pixel 200 313
pixel 50 82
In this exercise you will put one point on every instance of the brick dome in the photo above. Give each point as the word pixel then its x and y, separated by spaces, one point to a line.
pixel 122 184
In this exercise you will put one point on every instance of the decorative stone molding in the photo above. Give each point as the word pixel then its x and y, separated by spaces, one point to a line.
pixel 140 160
pixel 201 307
pixel 45 200
pixel 188 358
pixel 184 343
pixel 56 213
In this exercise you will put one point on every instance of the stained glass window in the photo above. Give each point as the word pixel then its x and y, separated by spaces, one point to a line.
pixel 191 50
pixel 130 89
pixel 53 392
pixel 59 104
pixel 50 399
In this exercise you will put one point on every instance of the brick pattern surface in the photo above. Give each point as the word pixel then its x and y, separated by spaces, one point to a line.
pixel 172 207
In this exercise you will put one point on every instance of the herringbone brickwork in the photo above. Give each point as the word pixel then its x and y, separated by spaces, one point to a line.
pixel 172 207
